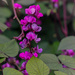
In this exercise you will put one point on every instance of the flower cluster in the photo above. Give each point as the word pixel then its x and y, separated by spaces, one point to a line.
pixel 10 63
pixel 31 25
pixel 70 52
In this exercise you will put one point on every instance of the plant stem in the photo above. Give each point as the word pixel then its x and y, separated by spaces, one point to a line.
pixel 65 18
pixel 16 17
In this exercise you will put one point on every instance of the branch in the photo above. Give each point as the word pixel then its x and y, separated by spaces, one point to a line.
pixel 16 17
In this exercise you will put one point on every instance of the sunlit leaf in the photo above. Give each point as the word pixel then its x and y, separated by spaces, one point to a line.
pixel 36 66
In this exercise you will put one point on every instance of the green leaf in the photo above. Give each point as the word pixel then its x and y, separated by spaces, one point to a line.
pixel 67 43
pixel 51 61
pixel 70 8
pixel 11 71
pixel 59 73
pixel 1 60
pixel 68 71
pixel 3 39
pixel 36 66
pixel 3 27
pixel 5 12
pixel 9 49
pixel 67 60
pixel 2 19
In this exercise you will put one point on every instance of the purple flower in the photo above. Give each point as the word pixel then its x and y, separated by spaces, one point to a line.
pixel 39 15
pixel 22 55
pixel 28 55
pixel 23 22
pixel 17 6
pixel 36 49
pixel 37 39
pixel 8 24
pixel 32 9
pixel 70 53
pixel 23 43
pixel 30 36
pixel 7 65
pixel 23 66
pixel 25 72
pixel 35 54
pixel 30 19
pixel 26 28
pixel 36 28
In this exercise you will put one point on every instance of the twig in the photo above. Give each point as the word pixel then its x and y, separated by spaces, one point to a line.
pixel 16 17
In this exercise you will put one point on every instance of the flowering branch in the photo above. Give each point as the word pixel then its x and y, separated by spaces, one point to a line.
pixel 16 17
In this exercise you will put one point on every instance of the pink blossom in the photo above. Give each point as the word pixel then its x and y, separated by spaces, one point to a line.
pixel 25 72
pixel 23 66
pixel 32 9
pixel 7 65
pixel 26 28
pixel 28 55
pixel 36 28
pixel 30 19
pixel 22 55
pixel 30 36
pixel 37 39
pixel 39 15
pixel 17 6
pixel 70 52
pixel 23 22
pixel 35 54
pixel 36 49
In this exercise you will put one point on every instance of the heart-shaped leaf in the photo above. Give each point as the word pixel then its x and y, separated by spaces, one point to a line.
pixel 51 60
pixel 36 66
pixel 9 49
